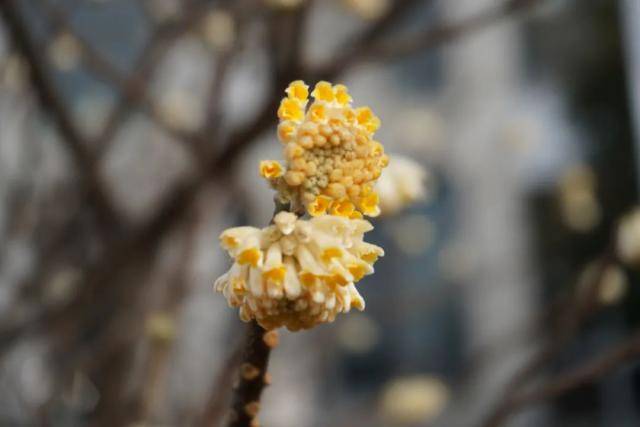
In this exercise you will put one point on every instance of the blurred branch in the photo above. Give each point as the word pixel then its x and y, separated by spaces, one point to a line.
pixel 132 89
pixel 370 48
pixel 356 48
pixel 219 393
pixel 447 33
pixel 151 55
pixel 592 371
pixel 583 303
pixel 212 129
pixel 148 397
pixel 54 105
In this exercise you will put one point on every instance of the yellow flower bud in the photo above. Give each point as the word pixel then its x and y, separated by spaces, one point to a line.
pixel 323 92
pixel 329 150
pixel 290 109
pixel 319 206
pixel 286 131
pixel 342 94
pixel 298 90
pixel 270 169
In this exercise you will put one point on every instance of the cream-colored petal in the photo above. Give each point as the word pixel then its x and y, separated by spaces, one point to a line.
pixel 255 282
pixel 292 285
pixel 286 222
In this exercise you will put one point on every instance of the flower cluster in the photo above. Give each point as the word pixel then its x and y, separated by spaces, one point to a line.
pixel 331 159
pixel 628 238
pixel 297 273
pixel 401 185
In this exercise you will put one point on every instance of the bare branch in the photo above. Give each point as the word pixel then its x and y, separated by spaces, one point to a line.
pixel 583 303
pixel 253 376
pixel 588 373
pixel 356 49
pixel 54 105
pixel 132 89
pixel 447 33
pixel 372 49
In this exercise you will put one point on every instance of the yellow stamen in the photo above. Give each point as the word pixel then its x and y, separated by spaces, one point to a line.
pixel 229 241
pixel 357 271
pixel 275 275
pixel 238 285
pixel 251 256
pixel 357 302
pixel 331 253
pixel 307 279
pixel 370 257
pixel 337 279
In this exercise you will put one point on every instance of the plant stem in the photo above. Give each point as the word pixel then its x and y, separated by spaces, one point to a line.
pixel 252 377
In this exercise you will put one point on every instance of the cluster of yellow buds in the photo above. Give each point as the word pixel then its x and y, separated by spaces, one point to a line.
pixel 297 273
pixel 403 184
pixel 331 159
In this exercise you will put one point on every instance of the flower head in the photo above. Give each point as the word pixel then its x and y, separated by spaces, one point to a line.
pixel 628 239
pixel 331 159
pixel 402 184
pixel 297 273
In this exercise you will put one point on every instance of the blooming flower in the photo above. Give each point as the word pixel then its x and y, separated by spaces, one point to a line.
pixel 297 273
pixel 218 29
pixel 414 399
pixel 368 9
pixel 628 241
pixel 579 205
pixel 402 184
pixel 331 159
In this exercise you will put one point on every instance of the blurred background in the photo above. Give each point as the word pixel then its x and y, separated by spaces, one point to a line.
pixel 130 132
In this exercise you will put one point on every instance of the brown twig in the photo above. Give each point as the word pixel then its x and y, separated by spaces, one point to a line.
pixel 253 377
pixel 588 373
